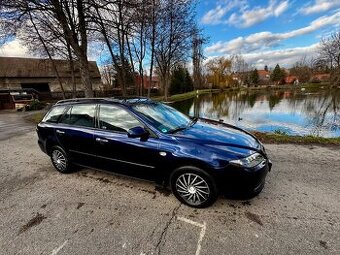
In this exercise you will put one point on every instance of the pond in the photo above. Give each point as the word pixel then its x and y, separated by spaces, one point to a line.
pixel 293 112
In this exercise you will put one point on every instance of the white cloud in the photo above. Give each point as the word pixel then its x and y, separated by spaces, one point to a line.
pixel 215 16
pixel 264 40
pixel 245 16
pixel 13 48
pixel 319 6
pixel 281 8
pixel 17 48
pixel 284 57
pixel 258 14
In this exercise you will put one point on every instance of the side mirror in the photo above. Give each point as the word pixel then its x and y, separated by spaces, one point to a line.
pixel 137 132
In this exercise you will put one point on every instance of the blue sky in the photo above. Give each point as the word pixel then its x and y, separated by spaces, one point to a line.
pixel 267 32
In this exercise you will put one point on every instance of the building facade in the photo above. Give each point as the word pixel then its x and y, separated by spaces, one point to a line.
pixel 39 74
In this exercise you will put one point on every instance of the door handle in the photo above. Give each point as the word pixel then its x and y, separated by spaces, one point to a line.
pixel 60 132
pixel 101 140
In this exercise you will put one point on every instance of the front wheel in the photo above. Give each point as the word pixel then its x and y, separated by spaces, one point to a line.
pixel 60 160
pixel 193 186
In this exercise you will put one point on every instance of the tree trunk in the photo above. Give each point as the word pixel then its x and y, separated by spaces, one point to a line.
pixel 130 56
pixel 166 87
pixel 85 76
pixel 152 45
pixel 108 44
pixel 73 38
pixel 71 65
pixel 121 40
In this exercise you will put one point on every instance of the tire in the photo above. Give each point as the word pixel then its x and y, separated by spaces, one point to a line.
pixel 60 160
pixel 193 187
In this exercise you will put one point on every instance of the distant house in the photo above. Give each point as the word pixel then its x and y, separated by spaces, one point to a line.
pixel 38 74
pixel 264 76
pixel 236 78
pixel 155 84
pixel 320 77
pixel 290 79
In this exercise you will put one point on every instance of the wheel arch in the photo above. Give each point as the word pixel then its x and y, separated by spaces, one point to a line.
pixel 50 143
pixel 188 163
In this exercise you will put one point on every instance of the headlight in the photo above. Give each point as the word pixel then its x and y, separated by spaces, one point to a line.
pixel 250 161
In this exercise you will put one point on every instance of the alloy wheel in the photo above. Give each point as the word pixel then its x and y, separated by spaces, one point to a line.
pixel 59 160
pixel 192 188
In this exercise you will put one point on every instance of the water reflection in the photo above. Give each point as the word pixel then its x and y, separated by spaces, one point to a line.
pixel 295 112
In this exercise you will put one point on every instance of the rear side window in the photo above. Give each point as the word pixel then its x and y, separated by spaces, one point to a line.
pixel 79 115
pixel 54 115
pixel 117 119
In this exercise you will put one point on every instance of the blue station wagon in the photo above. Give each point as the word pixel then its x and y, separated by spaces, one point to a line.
pixel 198 158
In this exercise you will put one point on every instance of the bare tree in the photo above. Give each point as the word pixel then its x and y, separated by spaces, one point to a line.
pixel 139 40
pixel 302 70
pixel 133 33
pixel 45 47
pixel 107 74
pixel 112 22
pixel 68 18
pixel 152 38
pixel 197 58
pixel 241 68
pixel 72 17
pixel 329 55
pixel 173 41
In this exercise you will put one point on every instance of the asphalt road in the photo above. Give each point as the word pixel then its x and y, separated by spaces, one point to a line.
pixel 92 212
pixel 13 123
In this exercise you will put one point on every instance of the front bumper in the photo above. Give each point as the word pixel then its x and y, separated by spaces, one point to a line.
pixel 244 180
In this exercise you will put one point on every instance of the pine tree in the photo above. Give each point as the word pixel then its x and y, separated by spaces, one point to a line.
pixel 277 75
pixel 254 77
pixel 181 81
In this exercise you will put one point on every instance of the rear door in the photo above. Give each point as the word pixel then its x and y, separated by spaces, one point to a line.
pixel 75 133
pixel 120 153
pixel 46 128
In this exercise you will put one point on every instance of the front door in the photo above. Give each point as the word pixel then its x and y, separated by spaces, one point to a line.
pixel 120 153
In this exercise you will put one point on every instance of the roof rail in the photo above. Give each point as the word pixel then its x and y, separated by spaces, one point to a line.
pixel 83 99
pixel 122 100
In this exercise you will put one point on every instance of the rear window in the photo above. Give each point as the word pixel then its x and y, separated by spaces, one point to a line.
pixel 79 115
pixel 54 115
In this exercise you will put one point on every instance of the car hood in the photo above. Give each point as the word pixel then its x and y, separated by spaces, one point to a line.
pixel 220 134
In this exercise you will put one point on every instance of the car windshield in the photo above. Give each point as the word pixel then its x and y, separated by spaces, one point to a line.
pixel 163 117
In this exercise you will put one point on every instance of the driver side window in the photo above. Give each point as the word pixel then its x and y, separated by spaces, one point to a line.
pixel 116 119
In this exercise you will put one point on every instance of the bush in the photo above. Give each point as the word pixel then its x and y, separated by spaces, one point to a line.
pixel 181 81
pixel 35 105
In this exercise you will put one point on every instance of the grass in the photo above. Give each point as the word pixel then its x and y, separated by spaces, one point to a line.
pixel 191 94
pixel 281 138
pixel 292 86
pixel 185 96
pixel 35 117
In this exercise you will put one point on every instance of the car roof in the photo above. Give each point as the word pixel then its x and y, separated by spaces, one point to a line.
pixel 116 100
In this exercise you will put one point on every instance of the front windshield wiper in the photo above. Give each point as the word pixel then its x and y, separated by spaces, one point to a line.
pixel 180 128
pixel 172 131
pixel 193 121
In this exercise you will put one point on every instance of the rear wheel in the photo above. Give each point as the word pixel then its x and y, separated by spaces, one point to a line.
pixel 193 187
pixel 60 160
